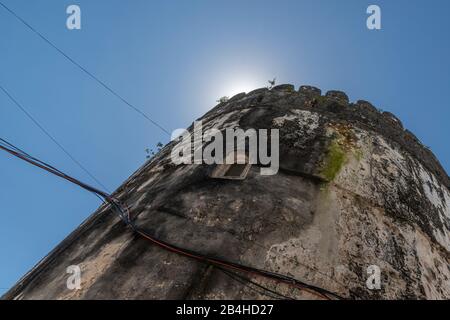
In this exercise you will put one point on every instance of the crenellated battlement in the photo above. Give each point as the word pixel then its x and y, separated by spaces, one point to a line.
pixel 354 189
pixel 336 106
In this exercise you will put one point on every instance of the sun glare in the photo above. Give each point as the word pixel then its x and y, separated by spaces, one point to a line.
pixel 241 85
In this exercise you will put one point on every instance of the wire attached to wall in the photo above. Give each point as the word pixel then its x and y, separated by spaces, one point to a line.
pixel 126 217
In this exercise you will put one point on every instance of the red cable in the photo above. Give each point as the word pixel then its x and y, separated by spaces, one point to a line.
pixel 169 247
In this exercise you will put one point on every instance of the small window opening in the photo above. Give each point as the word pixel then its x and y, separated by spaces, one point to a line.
pixel 232 169
pixel 236 170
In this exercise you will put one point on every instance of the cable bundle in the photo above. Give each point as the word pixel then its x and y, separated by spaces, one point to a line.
pixel 225 266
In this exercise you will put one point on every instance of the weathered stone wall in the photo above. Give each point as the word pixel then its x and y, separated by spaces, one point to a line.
pixel 354 189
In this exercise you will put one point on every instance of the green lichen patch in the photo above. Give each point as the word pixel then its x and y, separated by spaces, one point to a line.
pixel 358 154
pixel 321 100
pixel 333 162
pixel 342 147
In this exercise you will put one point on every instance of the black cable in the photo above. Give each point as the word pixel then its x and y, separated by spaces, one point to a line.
pixel 49 168
pixel 22 108
pixel 103 84
pixel 245 282
pixel 125 216
pixel 27 155
pixel 235 266
pixel 314 269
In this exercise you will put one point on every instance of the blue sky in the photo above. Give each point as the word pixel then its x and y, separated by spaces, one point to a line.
pixel 173 59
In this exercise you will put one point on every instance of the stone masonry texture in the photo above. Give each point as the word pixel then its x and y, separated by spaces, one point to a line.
pixel 354 189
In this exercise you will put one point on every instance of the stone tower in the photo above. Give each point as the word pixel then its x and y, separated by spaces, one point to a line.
pixel 354 190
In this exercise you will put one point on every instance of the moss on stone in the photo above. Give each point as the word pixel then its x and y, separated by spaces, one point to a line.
pixel 333 162
pixel 358 155
pixel 321 100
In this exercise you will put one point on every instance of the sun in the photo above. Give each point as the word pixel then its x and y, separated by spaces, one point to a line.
pixel 239 85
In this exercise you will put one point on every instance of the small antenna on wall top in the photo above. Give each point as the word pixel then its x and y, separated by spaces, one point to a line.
pixel 271 83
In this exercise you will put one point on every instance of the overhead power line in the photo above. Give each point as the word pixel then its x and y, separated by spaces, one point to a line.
pixel 22 108
pixel 90 74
